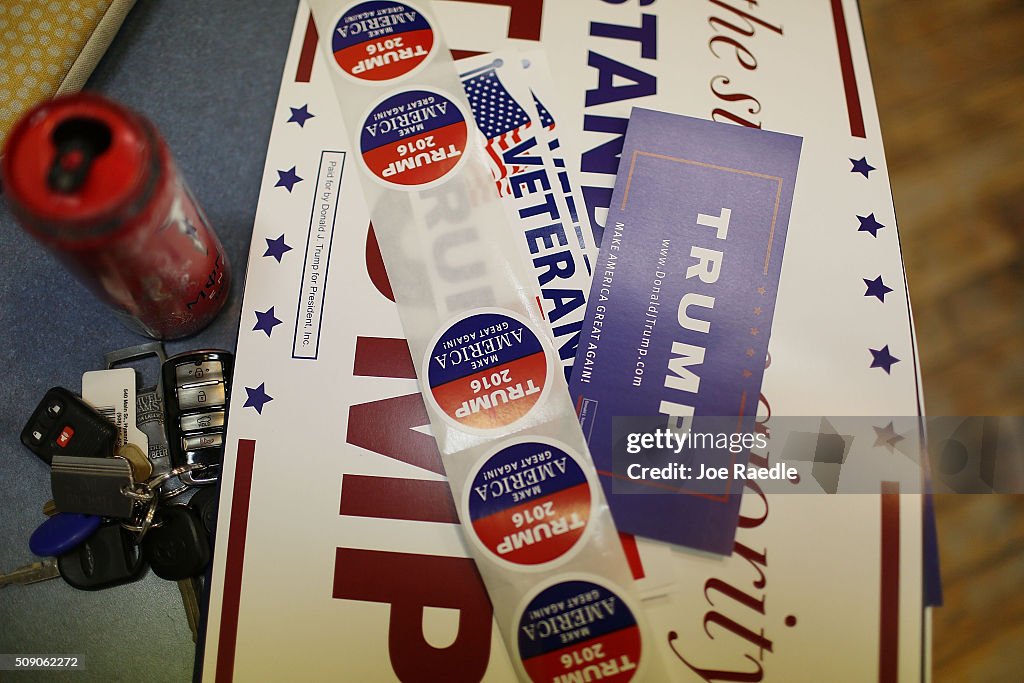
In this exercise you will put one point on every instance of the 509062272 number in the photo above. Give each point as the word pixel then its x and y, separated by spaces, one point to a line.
pixel 38 662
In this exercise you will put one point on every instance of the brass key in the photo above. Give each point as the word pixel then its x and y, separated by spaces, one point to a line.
pixel 142 468
pixel 189 589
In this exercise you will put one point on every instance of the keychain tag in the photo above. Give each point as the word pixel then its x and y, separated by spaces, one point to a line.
pixel 112 394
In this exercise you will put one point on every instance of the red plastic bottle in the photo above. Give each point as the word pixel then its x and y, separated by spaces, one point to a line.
pixel 95 183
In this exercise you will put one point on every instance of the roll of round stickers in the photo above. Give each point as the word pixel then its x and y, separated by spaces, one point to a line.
pixel 381 40
pixel 579 630
pixel 486 370
pixel 529 503
pixel 413 139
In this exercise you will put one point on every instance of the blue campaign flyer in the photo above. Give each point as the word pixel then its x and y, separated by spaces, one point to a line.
pixel 679 317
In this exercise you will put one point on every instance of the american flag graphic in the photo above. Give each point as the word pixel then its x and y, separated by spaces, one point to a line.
pixel 499 117
pixel 546 119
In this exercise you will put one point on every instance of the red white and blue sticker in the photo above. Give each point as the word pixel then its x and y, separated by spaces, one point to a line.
pixel 413 138
pixel 529 503
pixel 579 631
pixel 380 41
pixel 486 370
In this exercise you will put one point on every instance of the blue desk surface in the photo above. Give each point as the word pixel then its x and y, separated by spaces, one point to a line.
pixel 207 74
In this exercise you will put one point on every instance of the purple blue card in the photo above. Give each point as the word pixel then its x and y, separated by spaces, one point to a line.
pixel 680 311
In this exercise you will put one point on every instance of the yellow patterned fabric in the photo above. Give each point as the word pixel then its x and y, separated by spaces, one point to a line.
pixel 49 47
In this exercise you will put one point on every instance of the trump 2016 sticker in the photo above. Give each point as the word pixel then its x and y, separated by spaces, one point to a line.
pixel 529 503
pixel 579 630
pixel 380 41
pixel 413 139
pixel 486 370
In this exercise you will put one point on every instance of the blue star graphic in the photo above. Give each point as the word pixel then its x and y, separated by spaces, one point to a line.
pixel 869 224
pixel 300 115
pixel 876 288
pixel 861 166
pixel 266 320
pixel 276 247
pixel 257 398
pixel 881 358
pixel 288 178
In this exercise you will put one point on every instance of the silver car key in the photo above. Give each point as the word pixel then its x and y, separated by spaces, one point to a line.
pixel 31 573
pixel 196 388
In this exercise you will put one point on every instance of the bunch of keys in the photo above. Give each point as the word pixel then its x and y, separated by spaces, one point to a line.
pixel 92 553
pixel 120 514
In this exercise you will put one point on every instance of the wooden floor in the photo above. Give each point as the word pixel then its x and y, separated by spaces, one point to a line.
pixel 949 79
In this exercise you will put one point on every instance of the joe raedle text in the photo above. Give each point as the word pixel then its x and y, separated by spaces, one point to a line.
pixel 678 472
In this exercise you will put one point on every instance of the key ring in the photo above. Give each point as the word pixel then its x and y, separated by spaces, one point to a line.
pixel 147 522
pixel 149 494
pixel 155 482
pixel 141 496
pixel 181 488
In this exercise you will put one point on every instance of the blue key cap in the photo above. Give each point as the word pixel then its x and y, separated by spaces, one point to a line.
pixel 62 533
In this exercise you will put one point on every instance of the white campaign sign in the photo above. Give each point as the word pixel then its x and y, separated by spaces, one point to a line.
pixel 339 550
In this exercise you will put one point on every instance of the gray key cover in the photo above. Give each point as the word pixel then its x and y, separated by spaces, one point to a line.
pixel 180 547
pixel 105 559
pixel 92 486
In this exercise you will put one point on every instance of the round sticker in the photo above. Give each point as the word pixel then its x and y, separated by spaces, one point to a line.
pixel 486 370
pixel 413 138
pixel 529 503
pixel 381 40
pixel 579 631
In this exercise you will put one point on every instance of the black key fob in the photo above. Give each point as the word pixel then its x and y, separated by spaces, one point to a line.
pixel 204 503
pixel 196 388
pixel 64 424
pixel 179 548
pixel 107 558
